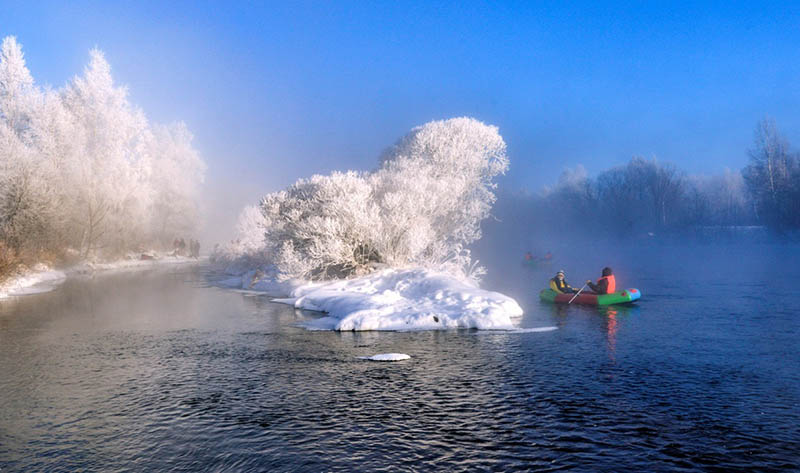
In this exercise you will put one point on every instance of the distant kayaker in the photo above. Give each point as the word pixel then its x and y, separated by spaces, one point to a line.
pixel 559 284
pixel 606 284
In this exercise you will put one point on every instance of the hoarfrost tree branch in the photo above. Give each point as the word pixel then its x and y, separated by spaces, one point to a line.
pixel 422 206
pixel 81 168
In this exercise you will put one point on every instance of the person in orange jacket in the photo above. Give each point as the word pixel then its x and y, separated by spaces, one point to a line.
pixel 606 284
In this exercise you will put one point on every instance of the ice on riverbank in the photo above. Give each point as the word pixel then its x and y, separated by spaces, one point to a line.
pixel 42 278
pixel 261 280
pixel 410 299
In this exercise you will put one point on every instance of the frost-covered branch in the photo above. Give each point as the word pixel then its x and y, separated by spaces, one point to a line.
pixel 81 168
pixel 422 206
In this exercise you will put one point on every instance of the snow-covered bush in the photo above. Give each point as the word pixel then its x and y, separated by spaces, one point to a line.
pixel 421 207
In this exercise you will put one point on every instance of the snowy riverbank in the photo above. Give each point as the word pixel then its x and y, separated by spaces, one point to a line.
pixel 391 299
pixel 42 278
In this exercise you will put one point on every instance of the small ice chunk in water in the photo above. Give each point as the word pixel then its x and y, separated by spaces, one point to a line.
pixel 386 357
pixel 534 330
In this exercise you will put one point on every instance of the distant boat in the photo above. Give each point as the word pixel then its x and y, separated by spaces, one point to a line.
pixel 537 263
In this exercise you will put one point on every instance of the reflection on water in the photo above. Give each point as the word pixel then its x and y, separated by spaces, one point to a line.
pixel 157 371
pixel 607 318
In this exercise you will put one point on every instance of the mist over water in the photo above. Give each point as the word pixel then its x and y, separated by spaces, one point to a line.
pixel 156 370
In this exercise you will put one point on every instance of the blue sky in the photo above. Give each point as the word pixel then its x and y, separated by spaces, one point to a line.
pixel 275 91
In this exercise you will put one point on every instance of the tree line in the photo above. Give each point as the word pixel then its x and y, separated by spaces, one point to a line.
pixel 83 172
pixel 647 196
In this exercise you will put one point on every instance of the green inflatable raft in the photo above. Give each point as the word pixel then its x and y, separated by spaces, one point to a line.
pixel 626 296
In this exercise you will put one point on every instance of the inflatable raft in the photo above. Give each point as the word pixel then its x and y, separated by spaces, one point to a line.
pixel 626 296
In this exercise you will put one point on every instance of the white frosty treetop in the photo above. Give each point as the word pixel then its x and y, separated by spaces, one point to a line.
pixel 82 168
pixel 422 206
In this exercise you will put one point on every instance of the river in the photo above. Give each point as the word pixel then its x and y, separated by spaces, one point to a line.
pixel 159 370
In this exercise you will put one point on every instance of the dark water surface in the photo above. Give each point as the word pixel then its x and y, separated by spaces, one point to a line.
pixel 155 371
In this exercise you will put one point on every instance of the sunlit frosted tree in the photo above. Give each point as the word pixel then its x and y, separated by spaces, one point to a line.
pixel 422 206
pixel 176 175
pixel 82 168
pixel 23 203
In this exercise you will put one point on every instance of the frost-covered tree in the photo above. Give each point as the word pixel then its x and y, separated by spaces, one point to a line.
pixel 643 193
pixel 176 175
pixel 114 166
pixel 772 177
pixel 717 200
pixel 323 226
pixel 82 168
pixel 249 244
pixel 434 188
pixel 23 200
pixel 422 206
pixel 17 91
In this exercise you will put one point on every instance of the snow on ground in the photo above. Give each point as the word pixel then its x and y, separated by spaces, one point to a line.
pixel 386 357
pixel 262 281
pixel 132 262
pixel 42 278
pixel 408 299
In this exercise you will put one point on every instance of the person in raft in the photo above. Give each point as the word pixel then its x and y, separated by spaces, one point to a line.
pixel 606 284
pixel 559 284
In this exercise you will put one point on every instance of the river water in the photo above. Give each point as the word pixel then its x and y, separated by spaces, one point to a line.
pixel 160 371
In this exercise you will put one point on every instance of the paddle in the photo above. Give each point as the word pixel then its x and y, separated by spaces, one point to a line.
pixel 576 294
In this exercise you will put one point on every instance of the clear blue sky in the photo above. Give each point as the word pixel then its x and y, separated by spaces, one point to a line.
pixel 283 90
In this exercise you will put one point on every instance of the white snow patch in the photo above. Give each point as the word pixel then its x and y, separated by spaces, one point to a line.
pixel 40 279
pixel 386 357
pixel 404 299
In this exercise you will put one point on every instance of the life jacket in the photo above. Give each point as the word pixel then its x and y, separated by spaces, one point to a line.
pixel 560 287
pixel 612 283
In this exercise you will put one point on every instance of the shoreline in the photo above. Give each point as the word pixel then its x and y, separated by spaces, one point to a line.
pixel 43 278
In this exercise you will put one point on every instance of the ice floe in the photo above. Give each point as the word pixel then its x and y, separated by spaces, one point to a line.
pixel 386 357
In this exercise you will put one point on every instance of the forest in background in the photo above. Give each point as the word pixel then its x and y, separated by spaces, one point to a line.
pixel 646 197
pixel 83 173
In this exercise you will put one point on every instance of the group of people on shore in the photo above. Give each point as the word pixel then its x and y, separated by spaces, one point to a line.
pixel 181 248
pixel 606 284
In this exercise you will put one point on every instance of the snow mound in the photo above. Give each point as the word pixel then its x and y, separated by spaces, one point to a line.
pixel 386 357
pixel 404 299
